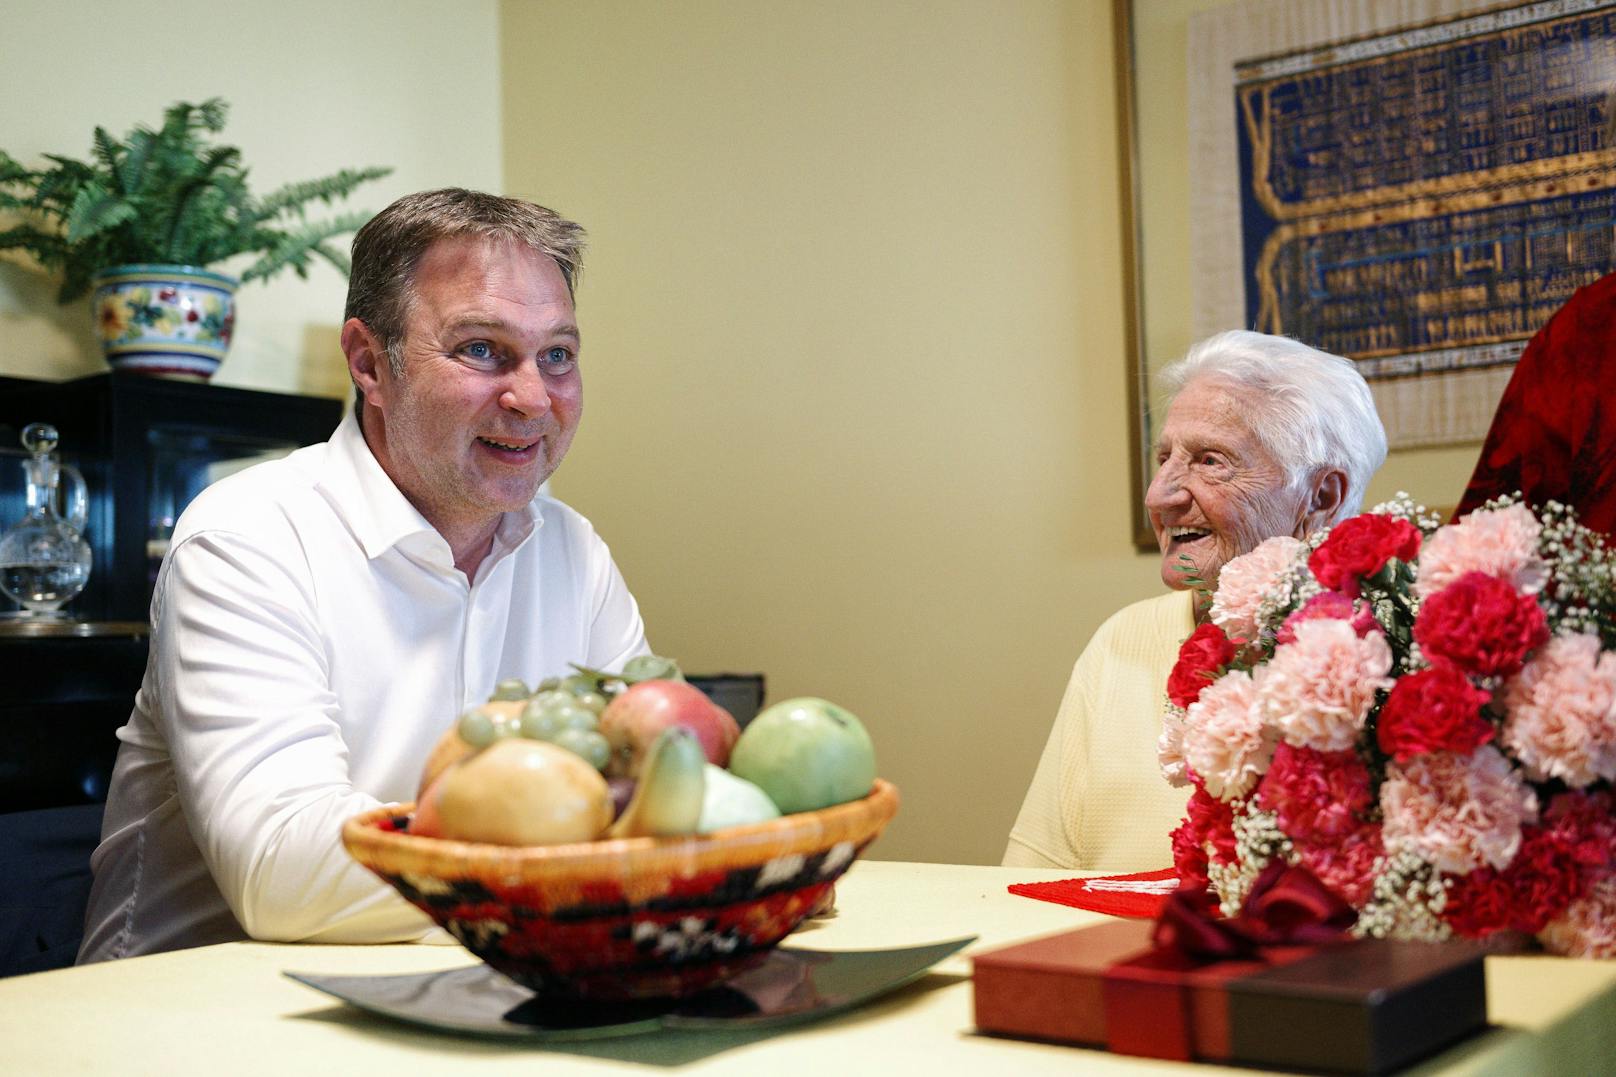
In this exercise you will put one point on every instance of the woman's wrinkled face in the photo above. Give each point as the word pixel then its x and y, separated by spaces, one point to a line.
pixel 1218 491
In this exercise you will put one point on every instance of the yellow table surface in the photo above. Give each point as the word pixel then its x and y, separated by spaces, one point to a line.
pixel 228 1010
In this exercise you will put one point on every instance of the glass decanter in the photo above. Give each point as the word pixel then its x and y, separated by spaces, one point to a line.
pixel 44 560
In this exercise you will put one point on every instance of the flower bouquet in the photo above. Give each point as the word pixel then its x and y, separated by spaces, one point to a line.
pixel 1422 716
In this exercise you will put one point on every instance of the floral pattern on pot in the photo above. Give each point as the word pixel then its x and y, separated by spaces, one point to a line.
pixel 159 319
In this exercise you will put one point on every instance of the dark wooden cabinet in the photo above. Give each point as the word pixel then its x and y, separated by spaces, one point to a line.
pixel 65 697
pixel 146 446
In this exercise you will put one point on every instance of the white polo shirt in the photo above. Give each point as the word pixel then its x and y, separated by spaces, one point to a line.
pixel 312 639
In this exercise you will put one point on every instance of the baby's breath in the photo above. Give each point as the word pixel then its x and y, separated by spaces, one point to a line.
pixel 1403 506
pixel 1257 840
pixel 1407 902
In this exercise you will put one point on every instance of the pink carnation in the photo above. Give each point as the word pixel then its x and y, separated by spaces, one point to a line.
pixel 1224 739
pixel 1245 581
pixel 1456 812
pixel 1170 748
pixel 1346 866
pixel 1587 928
pixel 1330 605
pixel 1317 795
pixel 1499 542
pixel 1317 690
pixel 1560 712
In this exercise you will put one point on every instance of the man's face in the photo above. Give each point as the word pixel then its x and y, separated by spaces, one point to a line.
pixel 1217 492
pixel 490 395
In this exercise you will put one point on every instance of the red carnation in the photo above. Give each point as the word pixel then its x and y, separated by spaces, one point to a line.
pixel 1360 547
pixel 1584 827
pixel 1434 710
pixel 1189 858
pixel 1207 821
pixel 1317 795
pixel 1481 624
pixel 1206 652
pixel 1535 888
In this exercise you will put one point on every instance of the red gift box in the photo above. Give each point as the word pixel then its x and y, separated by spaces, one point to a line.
pixel 1352 1006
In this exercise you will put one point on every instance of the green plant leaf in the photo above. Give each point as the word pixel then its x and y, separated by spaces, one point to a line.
pixel 170 194
pixel 294 247
pixel 295 196
pixel 132 170
pixel 44 246
pixel 108 152
pixel 94 211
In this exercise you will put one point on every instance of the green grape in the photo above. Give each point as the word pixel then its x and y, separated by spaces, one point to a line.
pixel 547 684
pixel 592 701
pixel 478 728
pixel 586 743
pixel 651 667
pixel 508 690
pixel 538 722
pixel 579 684
pixel 553 698
pixel 573 716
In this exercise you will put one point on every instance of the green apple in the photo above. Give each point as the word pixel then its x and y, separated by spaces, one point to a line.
pixel 806 754
pixel 730 800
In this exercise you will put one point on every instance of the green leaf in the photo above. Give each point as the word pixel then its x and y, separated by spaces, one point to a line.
pixel 169 194
pixel 339 261
pixel 132 170
pixel 294 196
pixel 94 211
pixel 108 152
pixel 294 247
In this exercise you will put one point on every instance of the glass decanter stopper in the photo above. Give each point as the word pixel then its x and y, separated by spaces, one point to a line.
pixel 44 560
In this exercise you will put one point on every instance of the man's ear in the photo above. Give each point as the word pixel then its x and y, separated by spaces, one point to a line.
pixel 1328 494
pixel 366 359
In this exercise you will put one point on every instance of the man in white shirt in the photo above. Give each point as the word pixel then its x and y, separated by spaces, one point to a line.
pixel 321 620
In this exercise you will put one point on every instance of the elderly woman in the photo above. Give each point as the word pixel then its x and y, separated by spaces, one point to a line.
pixel 1264 436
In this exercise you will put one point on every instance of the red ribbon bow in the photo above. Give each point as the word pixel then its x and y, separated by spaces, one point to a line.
pixel 1286 905
pixel 1148 1012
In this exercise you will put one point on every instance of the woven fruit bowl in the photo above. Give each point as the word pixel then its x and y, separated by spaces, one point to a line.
pixel 628 917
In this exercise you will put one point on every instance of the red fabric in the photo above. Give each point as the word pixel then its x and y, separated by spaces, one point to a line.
pixel 1111 899
pixel 1550 438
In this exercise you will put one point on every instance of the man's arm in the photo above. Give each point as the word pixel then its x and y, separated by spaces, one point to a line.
pixel 260 761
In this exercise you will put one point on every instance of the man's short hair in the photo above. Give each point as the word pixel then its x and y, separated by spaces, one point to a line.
pixel 388 248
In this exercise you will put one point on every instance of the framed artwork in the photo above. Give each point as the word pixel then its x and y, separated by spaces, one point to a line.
pixel 1414 184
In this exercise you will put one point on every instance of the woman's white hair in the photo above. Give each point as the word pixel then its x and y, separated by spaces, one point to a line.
pixel 1310 409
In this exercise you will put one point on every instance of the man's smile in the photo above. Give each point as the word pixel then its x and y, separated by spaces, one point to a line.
pixel 514 450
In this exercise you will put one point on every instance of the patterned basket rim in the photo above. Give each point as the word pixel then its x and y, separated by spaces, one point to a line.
pixel 619 861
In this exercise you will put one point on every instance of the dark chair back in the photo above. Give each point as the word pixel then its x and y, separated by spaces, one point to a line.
pixel 44 885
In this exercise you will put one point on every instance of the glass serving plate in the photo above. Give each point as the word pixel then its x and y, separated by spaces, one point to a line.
pixel 790 986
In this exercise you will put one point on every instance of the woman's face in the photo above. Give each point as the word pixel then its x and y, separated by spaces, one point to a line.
pixel 1217 492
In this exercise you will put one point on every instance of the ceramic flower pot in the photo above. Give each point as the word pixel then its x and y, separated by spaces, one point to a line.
pixel 164 319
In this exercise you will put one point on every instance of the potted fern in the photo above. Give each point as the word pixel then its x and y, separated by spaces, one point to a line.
pixel 142 221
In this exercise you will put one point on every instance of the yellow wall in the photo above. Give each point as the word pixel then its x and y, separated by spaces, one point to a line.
pixel 853 355
pixel 313 86
pixel 852 312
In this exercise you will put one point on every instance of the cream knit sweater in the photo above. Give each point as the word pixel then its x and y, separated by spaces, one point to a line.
pixel 1098 800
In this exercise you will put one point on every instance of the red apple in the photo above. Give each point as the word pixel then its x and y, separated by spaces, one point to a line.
pixel 632 721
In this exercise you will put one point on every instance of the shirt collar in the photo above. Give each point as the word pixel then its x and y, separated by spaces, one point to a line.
pixel 381 517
